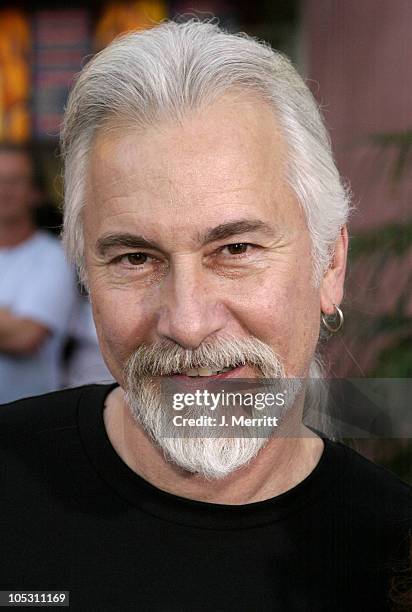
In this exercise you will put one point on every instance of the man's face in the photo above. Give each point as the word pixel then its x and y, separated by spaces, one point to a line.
pixel 16 189
pixel 192 233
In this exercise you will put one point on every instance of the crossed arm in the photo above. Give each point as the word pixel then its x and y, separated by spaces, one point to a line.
pixel 20 336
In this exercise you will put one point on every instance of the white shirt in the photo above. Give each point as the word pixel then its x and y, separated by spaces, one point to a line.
pixel 85 364
pixel 37 283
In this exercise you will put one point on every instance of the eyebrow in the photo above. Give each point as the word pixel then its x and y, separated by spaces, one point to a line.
pixel 220 232
pixel 126 240
pixel 235 228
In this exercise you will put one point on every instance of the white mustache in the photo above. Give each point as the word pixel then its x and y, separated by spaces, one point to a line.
pixel 164 358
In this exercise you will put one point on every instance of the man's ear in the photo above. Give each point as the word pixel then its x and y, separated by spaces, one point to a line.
pixel 331 289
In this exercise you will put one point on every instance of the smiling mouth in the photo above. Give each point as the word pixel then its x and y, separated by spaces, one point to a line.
pixel 207 372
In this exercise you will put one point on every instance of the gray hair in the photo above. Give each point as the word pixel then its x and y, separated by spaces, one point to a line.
pixel 170 69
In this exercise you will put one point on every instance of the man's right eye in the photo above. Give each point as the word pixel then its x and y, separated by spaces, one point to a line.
pixel 134 259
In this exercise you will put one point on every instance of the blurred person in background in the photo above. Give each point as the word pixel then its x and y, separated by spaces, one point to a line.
pixel 36 286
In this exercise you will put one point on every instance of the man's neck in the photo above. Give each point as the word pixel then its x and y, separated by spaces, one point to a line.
pixel 280 465
pixel 14 232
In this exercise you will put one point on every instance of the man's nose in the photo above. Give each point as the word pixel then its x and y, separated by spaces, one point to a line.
pixel 190 309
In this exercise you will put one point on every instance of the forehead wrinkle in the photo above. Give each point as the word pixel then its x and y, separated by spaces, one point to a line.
pixel 188 181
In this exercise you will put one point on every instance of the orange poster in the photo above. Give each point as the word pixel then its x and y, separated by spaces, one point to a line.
pixel 119 17
pixel 15 45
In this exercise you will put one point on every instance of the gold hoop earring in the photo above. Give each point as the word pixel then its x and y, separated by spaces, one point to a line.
pixel 333 329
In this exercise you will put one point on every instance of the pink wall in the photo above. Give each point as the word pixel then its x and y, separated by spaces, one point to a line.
pixel 359 52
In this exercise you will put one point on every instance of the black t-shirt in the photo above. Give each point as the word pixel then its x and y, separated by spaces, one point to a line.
pixel 74 517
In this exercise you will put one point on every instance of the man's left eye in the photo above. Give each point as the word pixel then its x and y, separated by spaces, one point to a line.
pixel 238 248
